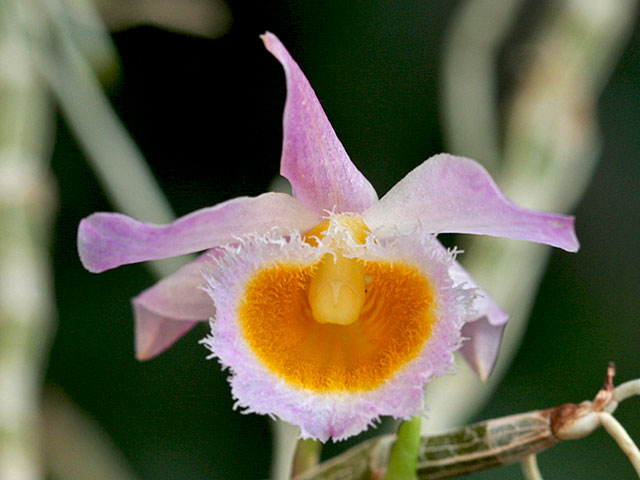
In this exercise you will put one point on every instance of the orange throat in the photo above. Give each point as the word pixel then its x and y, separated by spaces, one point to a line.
pixel 339 325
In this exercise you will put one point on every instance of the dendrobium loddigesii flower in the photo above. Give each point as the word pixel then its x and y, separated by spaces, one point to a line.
pixel 330 307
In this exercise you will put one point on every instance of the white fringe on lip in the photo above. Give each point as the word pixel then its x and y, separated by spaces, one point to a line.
pixel 335 415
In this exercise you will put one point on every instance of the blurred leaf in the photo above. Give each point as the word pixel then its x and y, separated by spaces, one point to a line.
pixel 203 18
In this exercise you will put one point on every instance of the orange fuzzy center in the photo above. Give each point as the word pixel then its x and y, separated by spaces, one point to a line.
pixel 392 322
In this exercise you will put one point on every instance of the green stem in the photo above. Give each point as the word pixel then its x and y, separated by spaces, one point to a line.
pixel 404 452
pixel 307 456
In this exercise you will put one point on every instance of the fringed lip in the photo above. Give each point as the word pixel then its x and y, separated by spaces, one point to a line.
pixel 340 413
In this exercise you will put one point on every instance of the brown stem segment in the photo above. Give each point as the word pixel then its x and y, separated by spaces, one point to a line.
pixel 483 445
pixel 452 453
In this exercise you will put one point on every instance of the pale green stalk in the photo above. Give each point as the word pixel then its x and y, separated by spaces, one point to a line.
pixel 284 441
pixel 469 88
pixel 551 147
pixel 27 202
pixel 75 447
pixel 27 205
pixel 203 18
pixel 88 33
pixel 307 456
pixel 77 32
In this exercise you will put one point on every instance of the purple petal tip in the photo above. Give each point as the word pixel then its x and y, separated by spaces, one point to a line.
pixel 573 244
pixel 449 194
pixel 483 345
pixel 314 160
pixel 87 237
pixel 154 334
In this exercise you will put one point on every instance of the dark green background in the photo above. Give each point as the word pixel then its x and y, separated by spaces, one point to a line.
pixel 207 115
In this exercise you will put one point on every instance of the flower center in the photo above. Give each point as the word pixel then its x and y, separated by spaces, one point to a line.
pixel 341 324
pixel 337 290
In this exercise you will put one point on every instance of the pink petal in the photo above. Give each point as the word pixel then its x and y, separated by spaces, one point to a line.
pixel 481 350
pixel 154 333
pixel 456 194
pixel 108 240
pixel 313 159
pixel 172 307
pixel 483 329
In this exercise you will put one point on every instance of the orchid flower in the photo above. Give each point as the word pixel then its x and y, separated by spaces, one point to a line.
pixel 330 307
